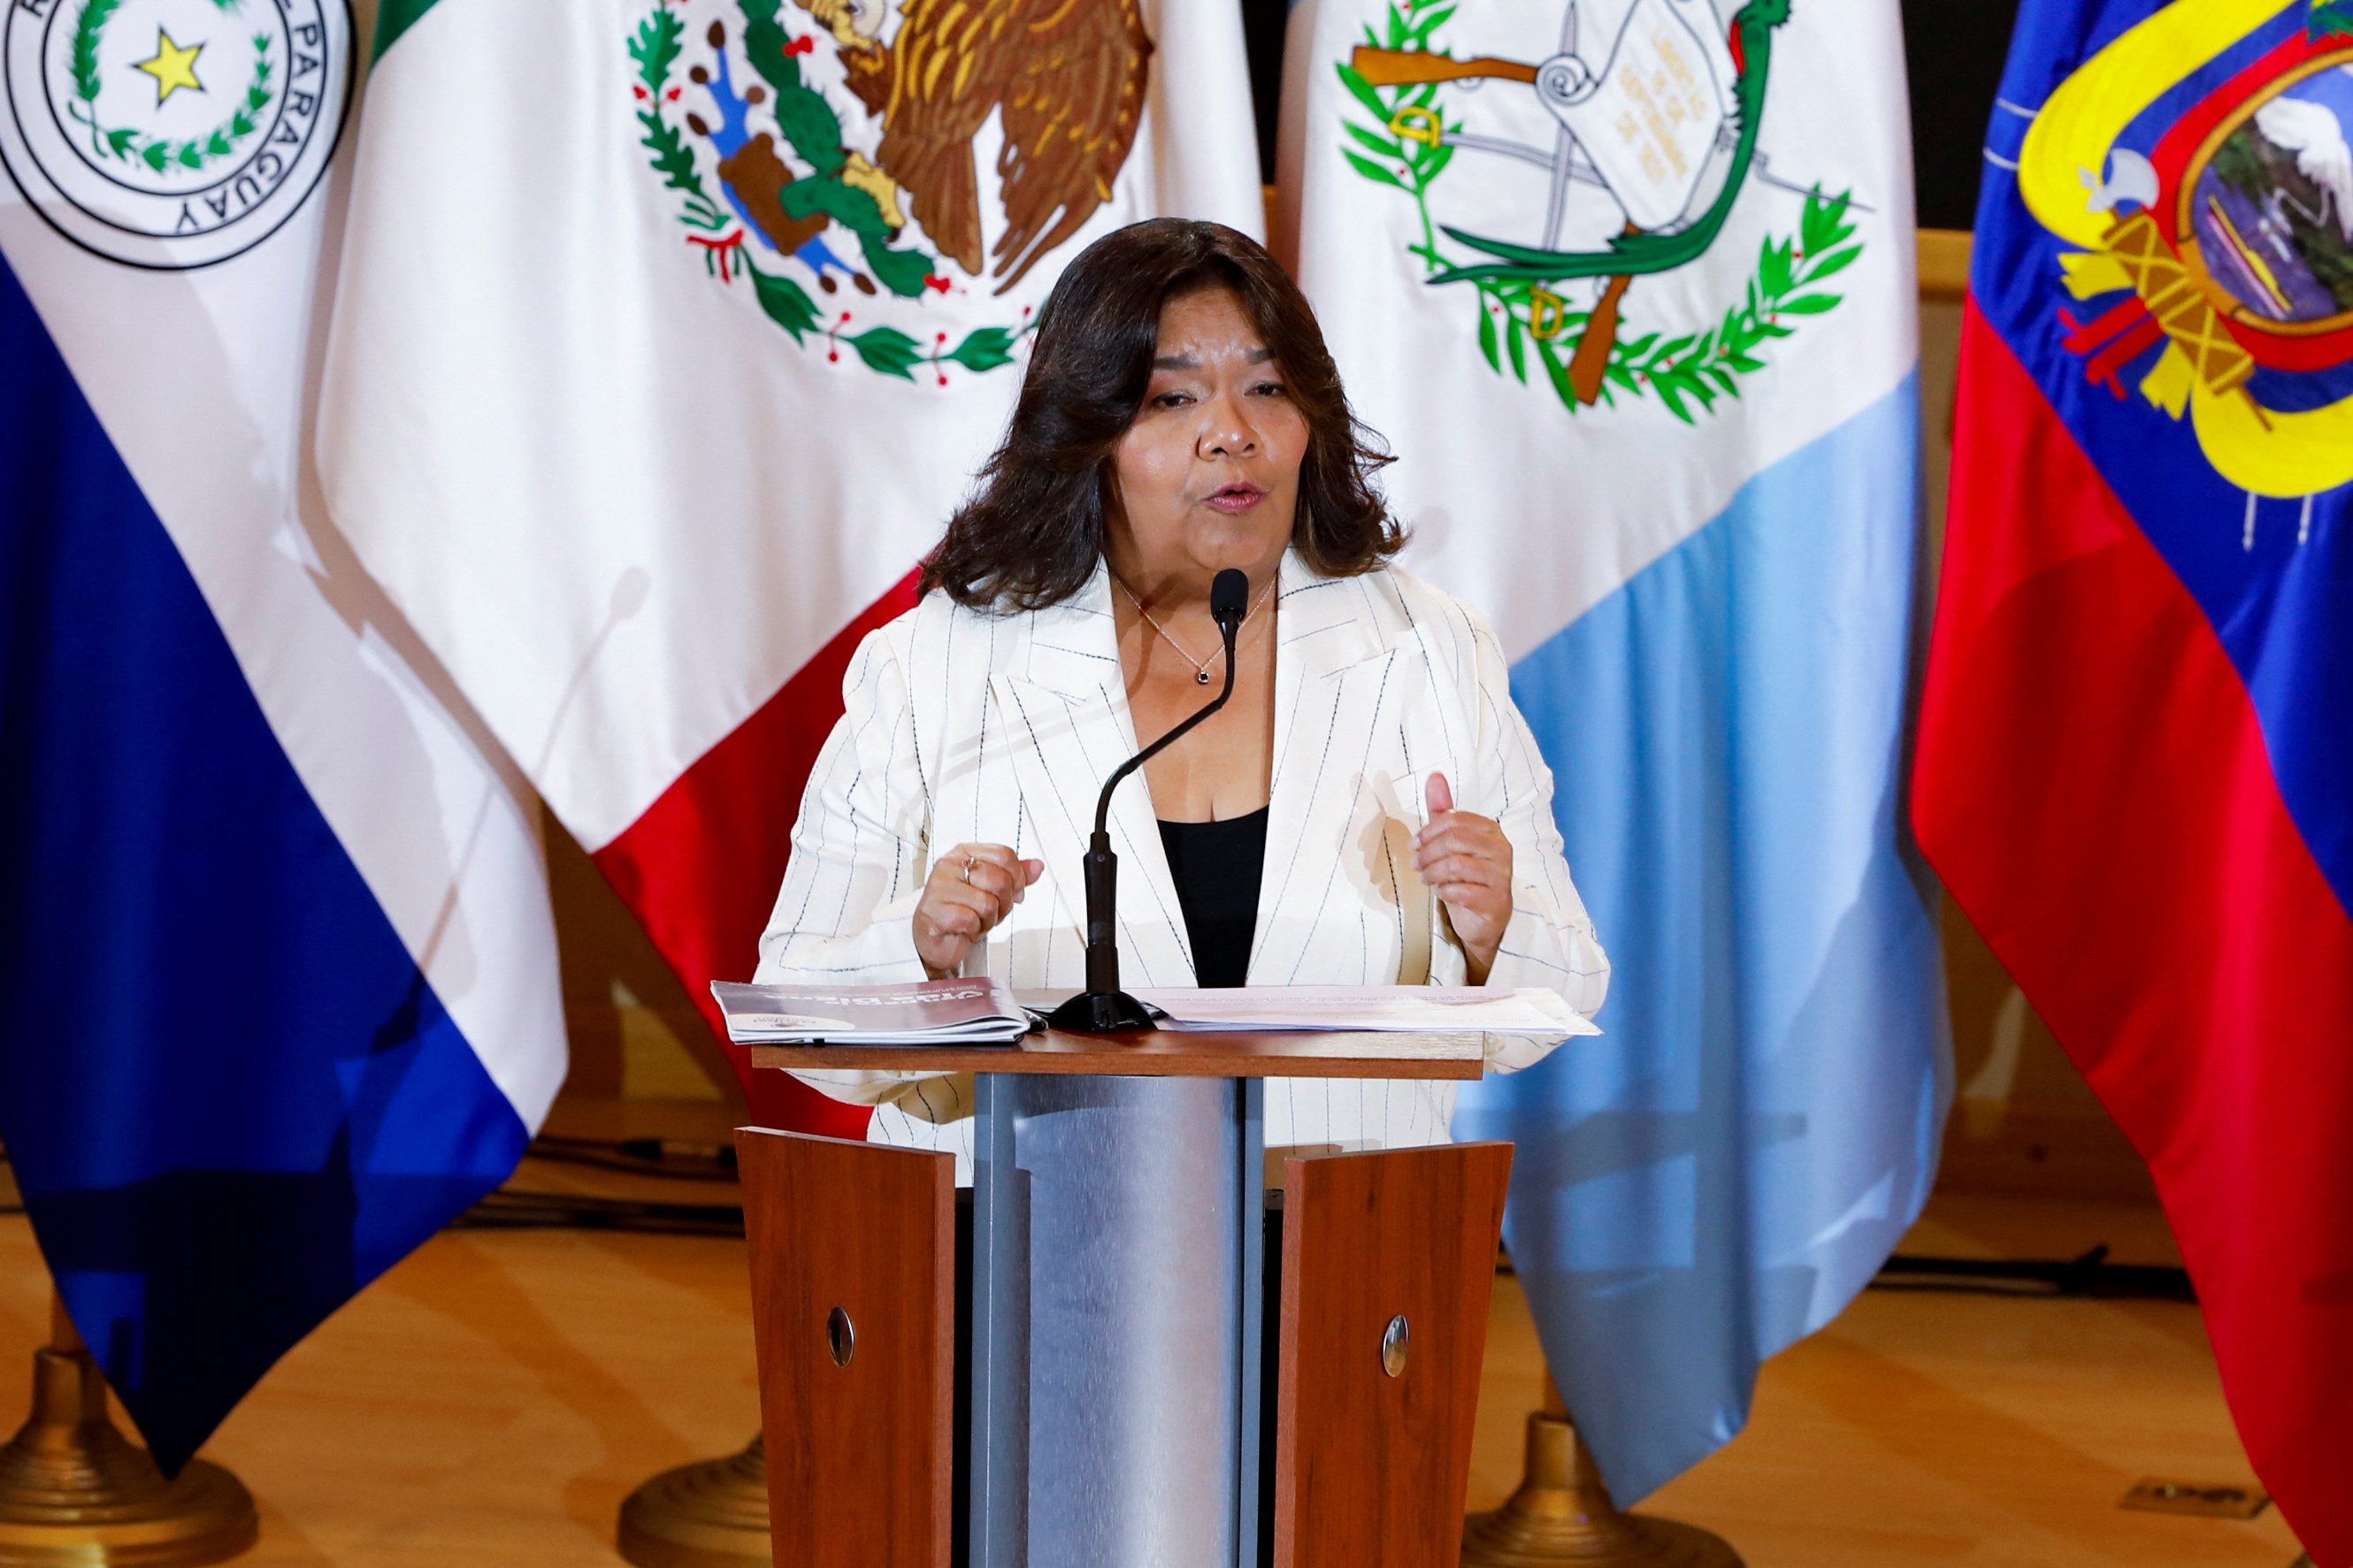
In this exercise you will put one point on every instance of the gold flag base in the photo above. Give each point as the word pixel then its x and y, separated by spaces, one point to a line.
pixel 1563 1514
pixel 711 1514
pixel 76 1493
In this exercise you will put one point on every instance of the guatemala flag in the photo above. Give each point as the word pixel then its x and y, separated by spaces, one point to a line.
pixel 278 987
pixel 1628 286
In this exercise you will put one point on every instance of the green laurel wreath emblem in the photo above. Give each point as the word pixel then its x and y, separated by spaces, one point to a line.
pixel 1520 319
pixel 159 153
pixel 810 126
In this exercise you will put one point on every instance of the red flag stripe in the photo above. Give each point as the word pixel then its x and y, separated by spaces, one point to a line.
pixel 2093 786
pixel 701 869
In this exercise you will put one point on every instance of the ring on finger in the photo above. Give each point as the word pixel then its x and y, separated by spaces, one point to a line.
pixel 967 867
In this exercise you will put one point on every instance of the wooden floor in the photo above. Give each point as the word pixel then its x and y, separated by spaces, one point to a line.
pixel 492 1399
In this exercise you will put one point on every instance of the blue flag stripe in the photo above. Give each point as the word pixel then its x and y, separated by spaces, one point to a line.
pixel 1719 1173
pixel 2273 597
pixel 230 1095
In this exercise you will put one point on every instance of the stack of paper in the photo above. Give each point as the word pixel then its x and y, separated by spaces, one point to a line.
pixel 932 1012
pixel 1414 1009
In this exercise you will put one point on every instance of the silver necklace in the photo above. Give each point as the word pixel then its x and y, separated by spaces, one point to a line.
pixel 1200 666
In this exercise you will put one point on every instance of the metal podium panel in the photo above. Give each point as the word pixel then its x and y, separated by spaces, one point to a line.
pixel 1111 1255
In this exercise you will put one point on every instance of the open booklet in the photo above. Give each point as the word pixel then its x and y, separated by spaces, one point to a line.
pixel 931 1013
pixel 1415 1009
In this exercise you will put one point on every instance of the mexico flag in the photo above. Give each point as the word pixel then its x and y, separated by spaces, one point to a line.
pixel 670 333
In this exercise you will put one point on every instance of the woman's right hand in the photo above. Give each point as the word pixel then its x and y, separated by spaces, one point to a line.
pixel 970 890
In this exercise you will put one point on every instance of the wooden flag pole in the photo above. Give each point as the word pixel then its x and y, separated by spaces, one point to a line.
pixel 1563 1514
pixel 709 1514
pixel 75 1491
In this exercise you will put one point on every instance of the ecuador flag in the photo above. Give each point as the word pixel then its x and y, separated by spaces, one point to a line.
pixel 2136 768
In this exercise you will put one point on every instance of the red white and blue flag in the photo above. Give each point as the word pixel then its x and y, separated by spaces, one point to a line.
pixel 2136 766
pixel 277 978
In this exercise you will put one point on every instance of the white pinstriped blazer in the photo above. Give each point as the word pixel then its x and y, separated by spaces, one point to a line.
pixel 963 727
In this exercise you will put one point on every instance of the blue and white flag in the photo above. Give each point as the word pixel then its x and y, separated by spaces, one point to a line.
pixel 1628 286
pixel 278 988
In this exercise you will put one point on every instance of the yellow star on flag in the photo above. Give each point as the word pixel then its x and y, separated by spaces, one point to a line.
pixel 173 68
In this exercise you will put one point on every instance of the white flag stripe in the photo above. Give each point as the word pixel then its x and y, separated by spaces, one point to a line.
pixel 199 380
pixel 1623 485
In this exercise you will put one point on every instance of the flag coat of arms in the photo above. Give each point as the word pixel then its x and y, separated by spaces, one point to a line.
pixel 668 338
pixel 2134 761
pixel 278 986
pixel 1628 287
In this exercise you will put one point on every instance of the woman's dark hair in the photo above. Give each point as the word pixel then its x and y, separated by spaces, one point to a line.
pixel 1033 533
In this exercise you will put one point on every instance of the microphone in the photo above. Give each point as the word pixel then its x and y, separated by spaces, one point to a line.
pixel 1103 1008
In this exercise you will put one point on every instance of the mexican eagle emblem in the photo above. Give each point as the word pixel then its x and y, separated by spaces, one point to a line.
pixel 839 146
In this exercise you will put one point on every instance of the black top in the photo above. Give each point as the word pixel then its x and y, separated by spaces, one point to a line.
pixel 1216 868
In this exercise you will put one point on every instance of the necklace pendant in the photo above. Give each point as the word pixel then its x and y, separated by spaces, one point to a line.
pixel 1200 677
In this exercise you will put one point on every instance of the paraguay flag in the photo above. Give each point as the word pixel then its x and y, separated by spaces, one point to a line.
pixel 1628 286
pixel 2136 770
pixel 278 986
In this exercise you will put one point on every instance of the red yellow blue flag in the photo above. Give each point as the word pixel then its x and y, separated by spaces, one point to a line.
pixel 2135 764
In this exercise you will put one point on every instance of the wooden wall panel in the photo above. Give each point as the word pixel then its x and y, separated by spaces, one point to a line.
pixel 860 1455
pixel 1370 1469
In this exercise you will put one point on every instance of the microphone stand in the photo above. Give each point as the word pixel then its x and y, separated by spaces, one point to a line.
pixel 1102 1008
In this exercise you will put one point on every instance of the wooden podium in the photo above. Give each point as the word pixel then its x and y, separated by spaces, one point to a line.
pixel 1075 1371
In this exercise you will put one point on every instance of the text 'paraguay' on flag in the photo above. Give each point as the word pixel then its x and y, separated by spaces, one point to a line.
pixel 278 985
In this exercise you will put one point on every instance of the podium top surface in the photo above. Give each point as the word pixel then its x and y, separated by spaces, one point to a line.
pixel 1163 1053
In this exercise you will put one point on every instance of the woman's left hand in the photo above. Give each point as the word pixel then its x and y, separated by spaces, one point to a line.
pixel 1467 862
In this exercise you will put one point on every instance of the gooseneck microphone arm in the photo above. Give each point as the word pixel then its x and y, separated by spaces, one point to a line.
pixel 1102 802
pixel 1103 1008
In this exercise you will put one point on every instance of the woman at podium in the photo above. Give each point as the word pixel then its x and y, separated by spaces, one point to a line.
pixel 1367 809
